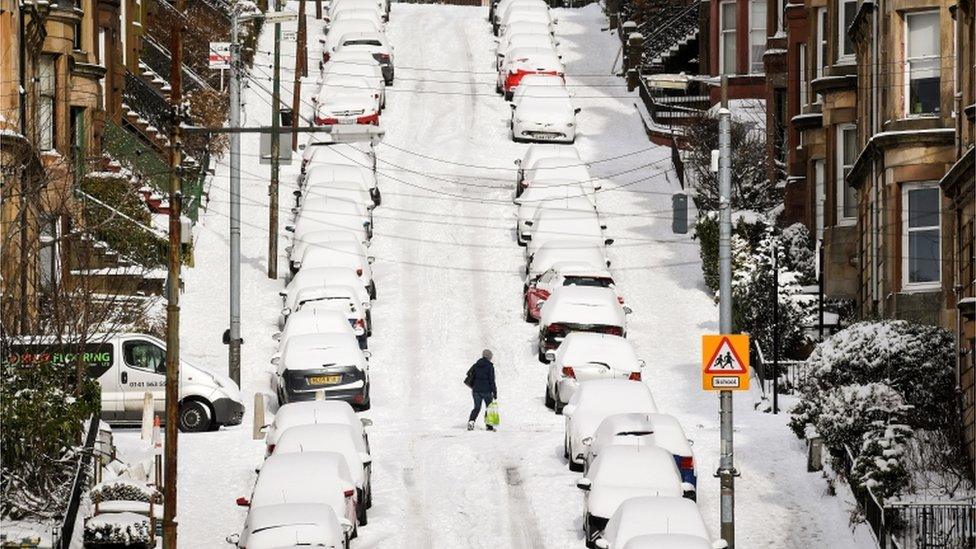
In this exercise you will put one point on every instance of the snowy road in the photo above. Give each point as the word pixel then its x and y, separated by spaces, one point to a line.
pixel 448 280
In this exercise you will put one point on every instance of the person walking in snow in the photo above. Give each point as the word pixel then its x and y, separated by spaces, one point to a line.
pixel 481 379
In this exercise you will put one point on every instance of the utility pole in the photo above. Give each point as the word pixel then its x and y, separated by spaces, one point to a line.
pixel 234 349
pixel 301 62
pixel 726 470
pixel 173 283
pixel 776 328
pixel 275 151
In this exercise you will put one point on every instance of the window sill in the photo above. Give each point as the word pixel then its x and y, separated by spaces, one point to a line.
pixel 846 222
pixel 920 288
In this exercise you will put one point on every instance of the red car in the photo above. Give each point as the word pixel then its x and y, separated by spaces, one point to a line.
pixel 523 61
pixel 563 274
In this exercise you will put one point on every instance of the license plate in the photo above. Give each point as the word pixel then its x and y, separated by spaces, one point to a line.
pixel 347 119
pixel 323 380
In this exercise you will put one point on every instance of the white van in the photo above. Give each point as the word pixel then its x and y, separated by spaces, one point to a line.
pixel 129 365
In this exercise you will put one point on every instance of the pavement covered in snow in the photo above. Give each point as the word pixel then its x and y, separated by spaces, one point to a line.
pixel 448 275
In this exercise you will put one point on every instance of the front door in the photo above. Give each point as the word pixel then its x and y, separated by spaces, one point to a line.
pixel 143 369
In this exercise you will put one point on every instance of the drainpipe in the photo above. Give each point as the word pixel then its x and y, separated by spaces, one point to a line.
pixel 875 187
pixel 22 324
pixel 957 66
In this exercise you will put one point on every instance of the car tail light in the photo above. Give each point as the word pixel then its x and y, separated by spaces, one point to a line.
pixel 613 330
pixel 620 299
pixel 359 272
pixel 569 372
pixel 360 323
pixel 635 376
pixel 326 121
pixel 372 119
pixel 540 293
pixel 555 328
pixel 349 493
pixel 358 399
pixel 271 448
pixel 686 462
pixel 381 56
pixel 326 56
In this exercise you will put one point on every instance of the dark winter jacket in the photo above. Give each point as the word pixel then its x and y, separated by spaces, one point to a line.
pixel 484 377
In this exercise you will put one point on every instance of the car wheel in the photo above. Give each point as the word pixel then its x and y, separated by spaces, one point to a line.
pixel 361 517
pixel 558 403
pixel 542 357
pixel 372 289
pixel 498 88
pixel 565 448
pixel 587 531
pixel 575 467
pixel 508 96
pixel 550 402
pixel 194 416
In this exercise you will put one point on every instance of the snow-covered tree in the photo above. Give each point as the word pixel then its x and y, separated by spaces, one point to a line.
pixel 880 464
pixel 843 414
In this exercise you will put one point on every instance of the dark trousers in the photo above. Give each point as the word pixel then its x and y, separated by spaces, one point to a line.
pixel 478 398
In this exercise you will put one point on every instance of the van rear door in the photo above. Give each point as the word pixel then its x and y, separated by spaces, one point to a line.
pixel 142 369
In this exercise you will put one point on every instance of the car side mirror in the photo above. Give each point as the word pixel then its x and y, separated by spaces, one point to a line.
pixel 296 193
pixel 518 162
pixel 283 293
pixel 301 147
pixel 608 242
pixel 604 227
pixel 290 228
pixel 243 502
pixel 370 259
pixel 577 110
pixel 286 311
pixel 233 539
pixel 584 484
pixel 518 201
pixel 569 409
pixel 627 310
pixel 587 441
pixel 366 421
pixel 512 105
pixel 295 209
pixel 367 354
pixel 346 525
pixel 365 458
pixel 550 356
pixel 276 336
pixel 641 363
pixel 529 223
pixel 276 359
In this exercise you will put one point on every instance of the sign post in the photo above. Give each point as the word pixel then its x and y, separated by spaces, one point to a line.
pixel 725 362
pixel 219 58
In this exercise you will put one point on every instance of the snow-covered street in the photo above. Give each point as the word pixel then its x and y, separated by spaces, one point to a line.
pixel 449 276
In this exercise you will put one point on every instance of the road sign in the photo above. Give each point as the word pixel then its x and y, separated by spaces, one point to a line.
pixel 725 362
pixel 279 16
pixel 219 55
pixel 289 35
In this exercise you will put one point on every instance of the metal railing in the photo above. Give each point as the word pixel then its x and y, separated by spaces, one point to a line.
pixel 792 373
pixel 148 102
pixel 82 476
pixel 158 58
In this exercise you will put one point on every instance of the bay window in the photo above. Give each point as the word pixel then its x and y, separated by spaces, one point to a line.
pixel 757 35
pixel 727 17
pixel 922 63
pixel 921 235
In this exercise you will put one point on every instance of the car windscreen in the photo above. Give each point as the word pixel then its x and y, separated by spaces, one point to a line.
pixel 362 42
pixel 594 281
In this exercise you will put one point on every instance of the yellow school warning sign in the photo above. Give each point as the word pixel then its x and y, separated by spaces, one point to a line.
pixel 725 362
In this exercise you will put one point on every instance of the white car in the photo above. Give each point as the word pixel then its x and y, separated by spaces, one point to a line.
pixel 350 255
pixel 537 291
pixel 530 85
pixel 335 32
pixel 593 402
pixel 321 478
pixel 523 40
pixel 521 62
pixel 525 27
pixel 325 174
pixel 376 44
pixel 504 6
pixel 346 100
pixel 586 356
pixel 314 411
pixel 320 150
pixel 544 113
pixel 547 170
pixel 360 64
pixel 657 522
pixel 565 194
pixel 343 299
pixel 640 429
pixel 328 214
pixel 579 309
pixel 351 191
pixel 336 5
pixel 317 237
pixel 621 473
pixel 372 14
pixel 527 12
pixel 331 364
pixel 536 152
pixel 311 321
pixel 325 277
pixel 311 524
pixel 559 251
pixel 553 223
pixel 339 438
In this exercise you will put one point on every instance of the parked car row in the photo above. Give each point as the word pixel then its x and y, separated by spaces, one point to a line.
pixel 531 73
pixel 314 487
pixel 639 478
pixel 357 63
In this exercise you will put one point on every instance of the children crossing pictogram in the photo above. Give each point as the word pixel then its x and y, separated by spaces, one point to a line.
pixel 725 362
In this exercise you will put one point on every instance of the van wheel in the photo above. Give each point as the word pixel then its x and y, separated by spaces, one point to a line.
pixel 550 402
pixel 557 405
pixel 194 417
pixel 361 512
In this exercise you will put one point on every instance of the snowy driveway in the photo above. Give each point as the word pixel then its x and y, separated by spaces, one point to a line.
pixel 448 280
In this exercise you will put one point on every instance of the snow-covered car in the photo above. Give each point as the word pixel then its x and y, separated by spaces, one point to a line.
pixel 352 191
pixel 558 251
pixel 657 522
pixel 545 113
pixel 382 6
pixel 326 174
pixel 502 6
pixel 328 297
pixel 320 478
pixel 527 12
pixel 550 169
pixel 523 40
pixel 538 151
pixel 326 277
pixel 311 321
pixel 621 473
pixel 372 14
pixel 317 237
pixel 530 84
pixel 525 27
pixel 311 524
pixel 330 42
pixel 641 429
pixel 351 63
pixel 309 412
pixel 346 100
pixel 564 194
pixel 339 438
pixel 579 309
pixel 320 150
pixel 555 223
pixel 537 291
pixel 330 364
pixel 376 44
pixel 586 356
pixel 594 401
pixel 521 62
pixel 350 255
pixel 330 215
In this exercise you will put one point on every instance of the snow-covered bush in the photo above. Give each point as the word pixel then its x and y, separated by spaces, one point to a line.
pixel 123 490
pixel 796 253
pixel 118 530
pixel 843 414
pixel 914 359
pixel 880 464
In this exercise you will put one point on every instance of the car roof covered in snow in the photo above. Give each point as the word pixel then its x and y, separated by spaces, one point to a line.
pixel 613 395
pixel 318 204
pixel 537 151
pixel 667 541
pixel 364 37
pixel 351 168
pixel 584 347
pixel 311 321
pixel 533 59
pixel 565 250
pixel 324 276
pixel 320 150
pixel 307 477
pixel 296 523
pixel 583 305
pixel 656 515
pixel 341 438
pixel 310 412
pixel 635 467
pixel 305 352
pixel 327 291
pixel 552 168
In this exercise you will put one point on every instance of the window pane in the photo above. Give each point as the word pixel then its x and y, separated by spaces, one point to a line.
pixel 757 15
pixel 850 197
pixel 728 53
pixel 728 16
pixel 923 86
pixel 923 254
pixel 923 208
pixel 849 11
pixel 850 146
pixel 923 35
